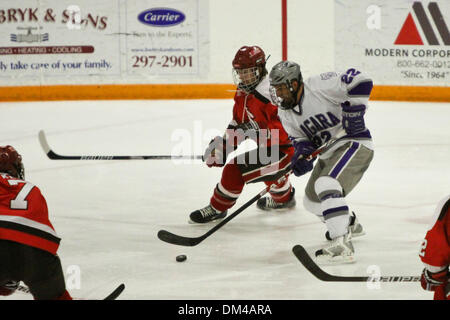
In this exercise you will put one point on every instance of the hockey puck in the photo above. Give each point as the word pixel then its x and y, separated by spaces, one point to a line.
pixel 181 258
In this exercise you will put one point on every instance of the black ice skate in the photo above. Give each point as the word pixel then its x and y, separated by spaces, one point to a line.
pixel 267 203
pixel 207 214
pixel 355 228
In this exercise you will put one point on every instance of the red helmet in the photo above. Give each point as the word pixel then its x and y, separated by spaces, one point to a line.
pixel 249 67
pixel 248 57
pixel 11 162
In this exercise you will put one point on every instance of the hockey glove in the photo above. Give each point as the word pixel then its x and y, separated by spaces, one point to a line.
pixel 245 130
pixel 299 165
pixel 216 155
pixel 246 126
pixel 9 288
pixel 430 281
pixel 353 118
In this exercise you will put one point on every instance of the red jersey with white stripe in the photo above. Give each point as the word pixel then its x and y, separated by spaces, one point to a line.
pixel 435 253
pixel 24 215
pixel 257 107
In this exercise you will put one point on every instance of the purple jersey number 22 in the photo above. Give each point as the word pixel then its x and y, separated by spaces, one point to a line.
pixel 349 75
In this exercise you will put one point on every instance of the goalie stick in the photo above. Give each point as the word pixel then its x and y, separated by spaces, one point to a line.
pixel 55 156
pixel 172 238
pixel 312 267
pixel 112 296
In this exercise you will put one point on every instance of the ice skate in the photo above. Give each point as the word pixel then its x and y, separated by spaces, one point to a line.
pixel 206 214
pixel 339 250
pixel 267 203
pixel 355 228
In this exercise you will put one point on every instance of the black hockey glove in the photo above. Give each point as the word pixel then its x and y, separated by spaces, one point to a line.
pixel 246 126
pixel 216 154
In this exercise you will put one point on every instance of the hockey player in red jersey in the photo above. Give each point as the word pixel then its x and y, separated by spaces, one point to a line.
pixel 255 117
pixel 28 241
pixel 435 253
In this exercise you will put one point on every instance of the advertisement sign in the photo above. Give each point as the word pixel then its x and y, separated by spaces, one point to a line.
pixel 58 38
pixel 397 42
pixel 166 37
pixel 114 41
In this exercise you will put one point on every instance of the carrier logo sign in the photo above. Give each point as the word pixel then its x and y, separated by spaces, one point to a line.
pixel 161 17
pixel 409 34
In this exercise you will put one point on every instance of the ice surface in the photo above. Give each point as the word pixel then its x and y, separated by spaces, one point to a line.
pixel 109 212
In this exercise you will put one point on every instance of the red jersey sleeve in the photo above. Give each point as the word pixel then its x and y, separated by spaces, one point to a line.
pixel 259 109
pixel 435 251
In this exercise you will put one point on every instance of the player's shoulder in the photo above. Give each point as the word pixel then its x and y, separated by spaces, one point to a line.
pixel 11 181
pixel 4 178
pixel 351 82
pixel 349 76
pixel 322 81
pixel 262 91
pixel 356 82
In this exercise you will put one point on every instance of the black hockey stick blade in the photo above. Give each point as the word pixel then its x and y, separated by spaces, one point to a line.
pixel 312 267
pixel 55 156
pixel 171 238
pixel 113 295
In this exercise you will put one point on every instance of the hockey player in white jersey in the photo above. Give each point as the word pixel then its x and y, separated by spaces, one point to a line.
pixel 312 112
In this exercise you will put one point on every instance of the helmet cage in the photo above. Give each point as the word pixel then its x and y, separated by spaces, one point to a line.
pixel 247 79
pixel 284 73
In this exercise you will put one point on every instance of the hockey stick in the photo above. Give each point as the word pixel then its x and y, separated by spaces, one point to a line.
pixel 169 237
pixel 54 156
pixel 312 267
pixel 112 296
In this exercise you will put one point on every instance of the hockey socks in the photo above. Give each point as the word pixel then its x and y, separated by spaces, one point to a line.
pixel 334 207
pixel 228 189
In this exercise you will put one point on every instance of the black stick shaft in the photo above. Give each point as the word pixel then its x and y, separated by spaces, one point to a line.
pixel 55 156
pixel 234 214
pixel 171 238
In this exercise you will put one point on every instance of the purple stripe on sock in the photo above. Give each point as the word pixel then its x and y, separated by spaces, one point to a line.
pixel 346 158
pixel 333 210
